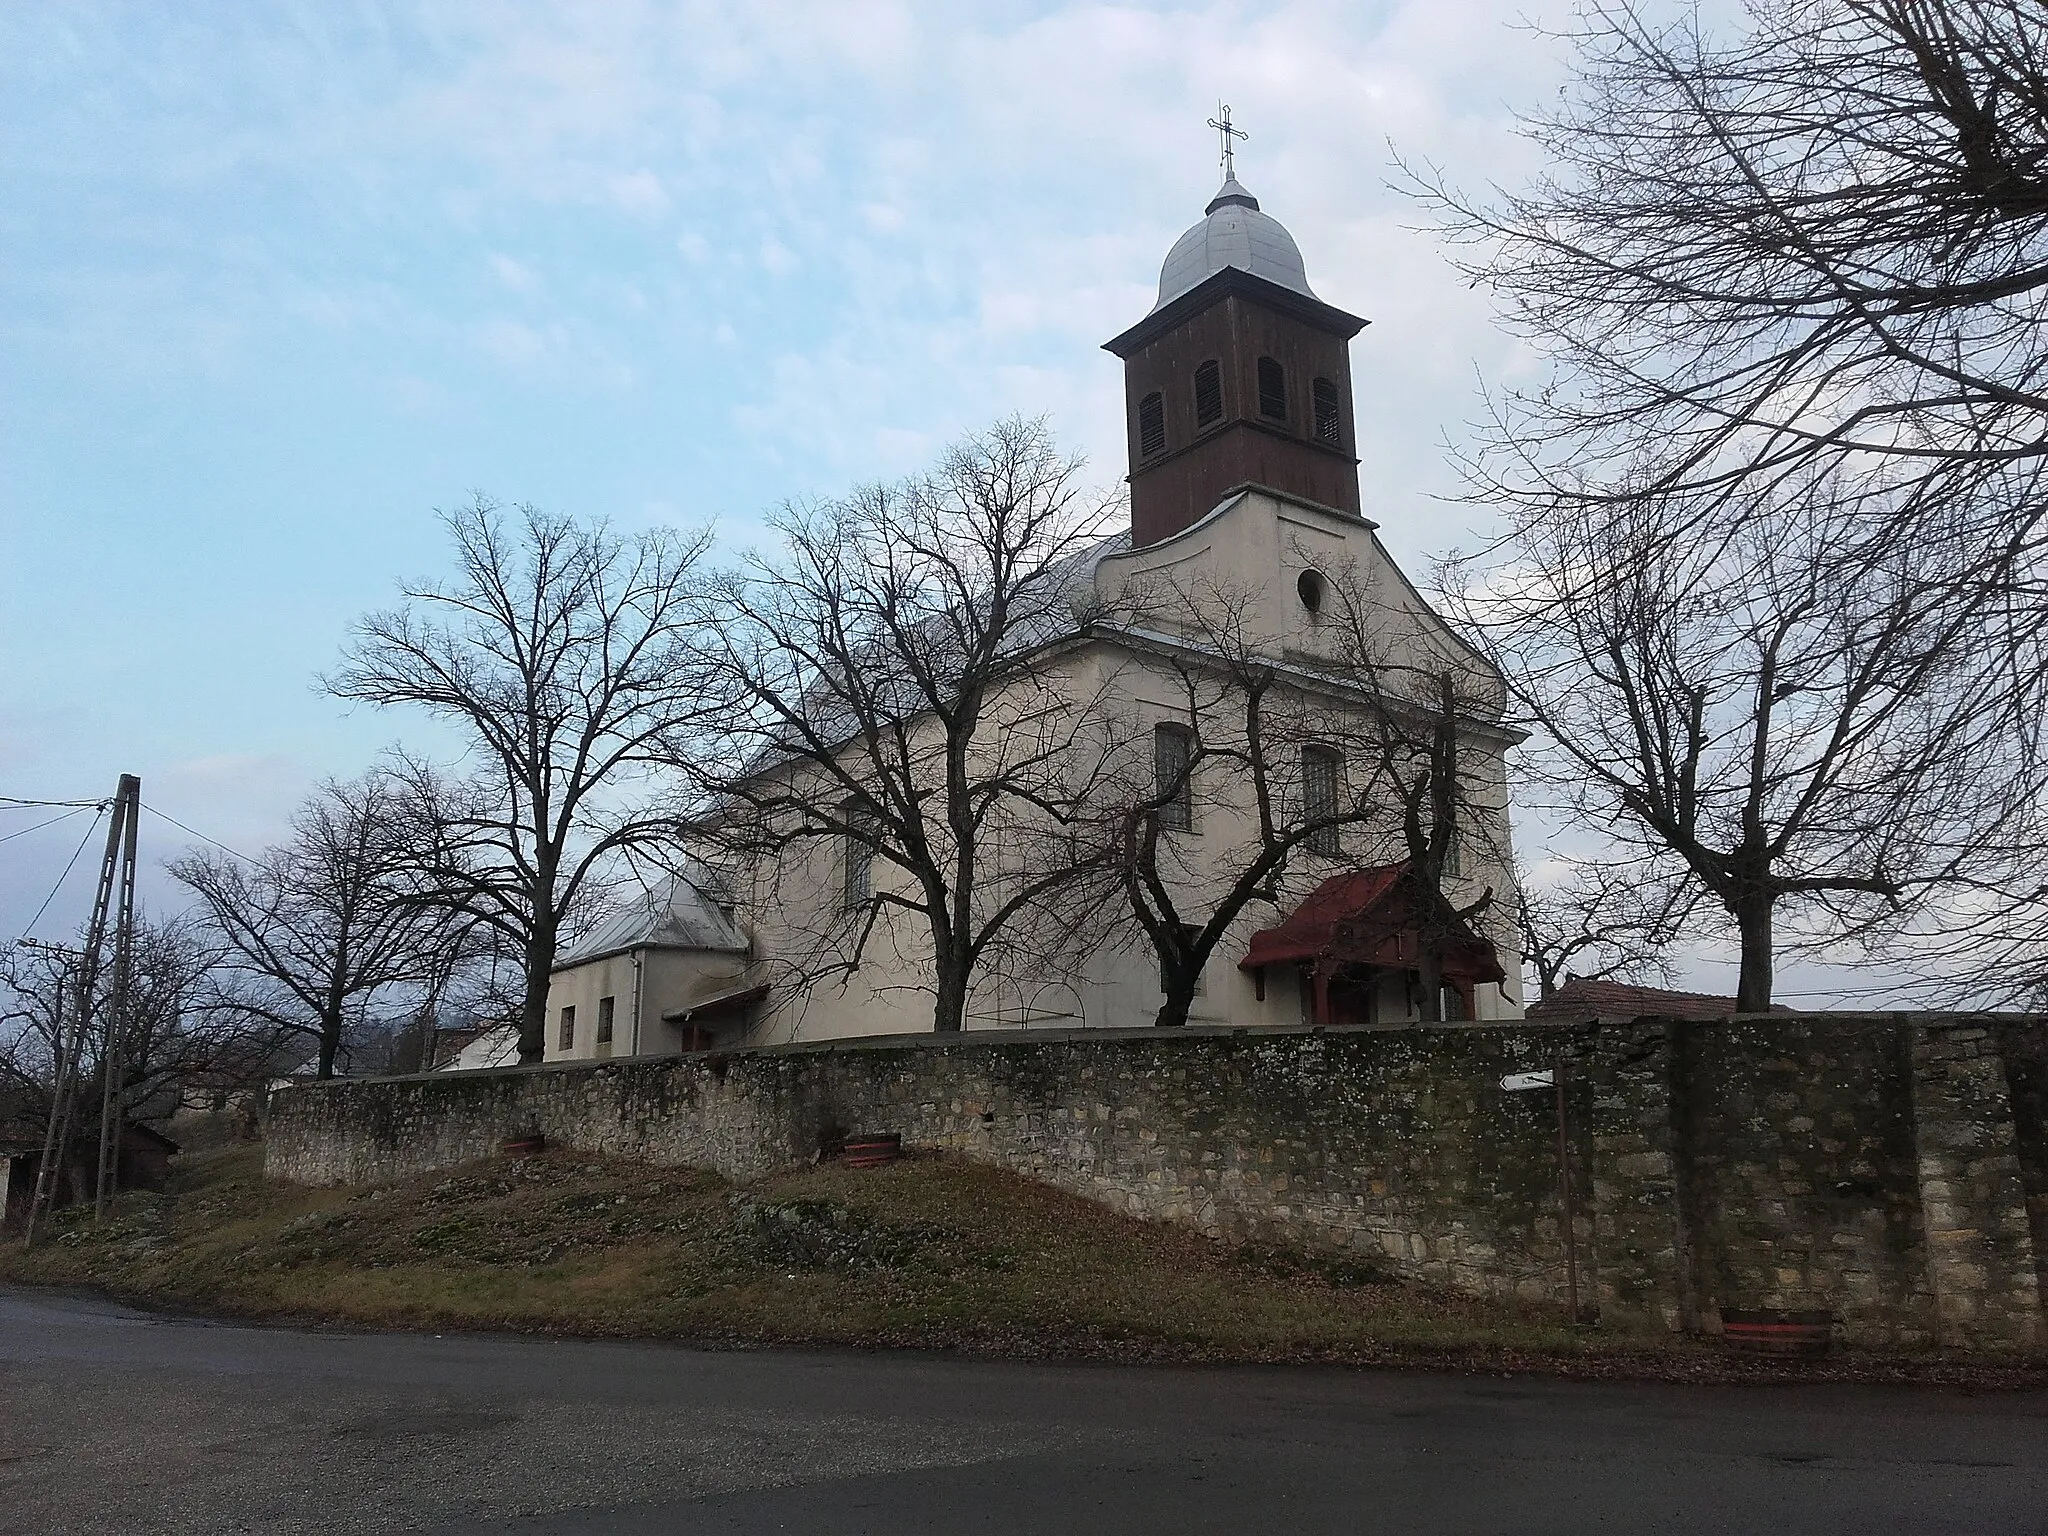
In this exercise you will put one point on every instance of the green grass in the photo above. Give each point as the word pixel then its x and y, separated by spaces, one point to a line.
pixel 928 1252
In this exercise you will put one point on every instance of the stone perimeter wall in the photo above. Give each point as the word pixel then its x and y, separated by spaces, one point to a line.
pixel 1888 1168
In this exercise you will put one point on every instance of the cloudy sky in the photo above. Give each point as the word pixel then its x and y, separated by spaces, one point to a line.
pixel 278 280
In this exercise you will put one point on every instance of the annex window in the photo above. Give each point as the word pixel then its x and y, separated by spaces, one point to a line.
pixel 1454 856
pixel 1208 393
pixel 1272 389
pixel 1320 771
pixel 604 1021
pixel 857 862
pixel 1329 412
pixel 565 1037
pixel 1151 424
pixel 1173 755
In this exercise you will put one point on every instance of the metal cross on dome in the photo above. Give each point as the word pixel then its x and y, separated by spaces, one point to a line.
pixel 1222 126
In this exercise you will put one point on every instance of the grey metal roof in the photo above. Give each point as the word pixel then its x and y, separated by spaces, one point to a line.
pixel 681 912
pixel 1233 233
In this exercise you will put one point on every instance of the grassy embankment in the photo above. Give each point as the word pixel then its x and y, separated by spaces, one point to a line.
pixel 926 1253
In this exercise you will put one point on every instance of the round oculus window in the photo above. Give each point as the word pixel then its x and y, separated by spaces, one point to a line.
pixel 1310 587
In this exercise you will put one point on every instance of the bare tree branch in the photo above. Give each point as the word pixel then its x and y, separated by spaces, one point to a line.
pixel 893 704
pixel 566 655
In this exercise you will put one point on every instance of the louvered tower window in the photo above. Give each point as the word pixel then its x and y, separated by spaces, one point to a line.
pixel 1208 393
pixel 1328 428
pixel 1272 389
pixel 1151 424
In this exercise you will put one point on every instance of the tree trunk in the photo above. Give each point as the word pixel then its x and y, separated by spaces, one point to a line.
pixel 1180 996
pixel 533 1016
pixel 333 1017
pixel 1753 923
pixel 949 1007
pixel 1429 966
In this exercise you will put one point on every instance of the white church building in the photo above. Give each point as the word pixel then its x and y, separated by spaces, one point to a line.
pixel 1243 473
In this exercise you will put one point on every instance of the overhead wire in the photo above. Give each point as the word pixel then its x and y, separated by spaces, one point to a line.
pixel 24 832
pixel 16 801
pixel 73 864
pixel 194 832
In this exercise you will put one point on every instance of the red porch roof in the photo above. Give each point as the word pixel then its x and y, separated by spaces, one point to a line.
pixel 1374 917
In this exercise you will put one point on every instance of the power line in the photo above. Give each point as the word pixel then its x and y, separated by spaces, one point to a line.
pixel 24 832
pixel 67 871
pixel 191 832
pixel 1904 989
pixel 13 801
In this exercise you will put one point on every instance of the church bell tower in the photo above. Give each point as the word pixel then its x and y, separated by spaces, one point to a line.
pixel 1240 376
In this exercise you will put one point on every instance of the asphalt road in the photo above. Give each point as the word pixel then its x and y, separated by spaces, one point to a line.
pixel 113 1420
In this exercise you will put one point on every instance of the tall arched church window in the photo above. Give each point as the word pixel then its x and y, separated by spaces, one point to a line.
pixel 1208 393
pixel 857 858
pixel 1328 426
pixel 1272 389
pixel 1321 769
pixel 1151 424
pixel 1173 756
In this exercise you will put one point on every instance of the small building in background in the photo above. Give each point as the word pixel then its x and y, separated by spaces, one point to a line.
pixel 494 1044
pixel 145 1159
pixel 666 973
pixel 1580 1001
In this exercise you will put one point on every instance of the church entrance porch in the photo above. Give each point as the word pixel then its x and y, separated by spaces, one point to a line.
pixel 1361 942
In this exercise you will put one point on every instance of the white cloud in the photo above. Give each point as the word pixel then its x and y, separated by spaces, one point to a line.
pixel 637 192
pixel 511 341
pixel 515 275
pixel 852 228
pixel 416 396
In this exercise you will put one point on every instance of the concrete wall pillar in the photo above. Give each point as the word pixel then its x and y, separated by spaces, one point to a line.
pixel 1979 1246
pixel 1634 1180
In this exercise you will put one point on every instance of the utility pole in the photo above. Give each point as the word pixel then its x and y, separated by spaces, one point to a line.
pixel 116 882
pixel 112 1069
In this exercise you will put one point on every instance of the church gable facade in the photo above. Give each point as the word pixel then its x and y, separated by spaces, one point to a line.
pixel 1247 655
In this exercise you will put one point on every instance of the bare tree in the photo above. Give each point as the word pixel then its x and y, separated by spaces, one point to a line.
pixel 1775 712
pixel 1423 757
pixel 1801 261
pixel 564 654
pixel 1598 921
pixel 1293 763
pixel 168 1038
pixel 1818 241
pixel 899 711
pixel 328 923
pixel 1435 708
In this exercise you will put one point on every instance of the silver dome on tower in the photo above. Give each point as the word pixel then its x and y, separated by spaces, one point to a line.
pixel 1238 376
pixel 1233 233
